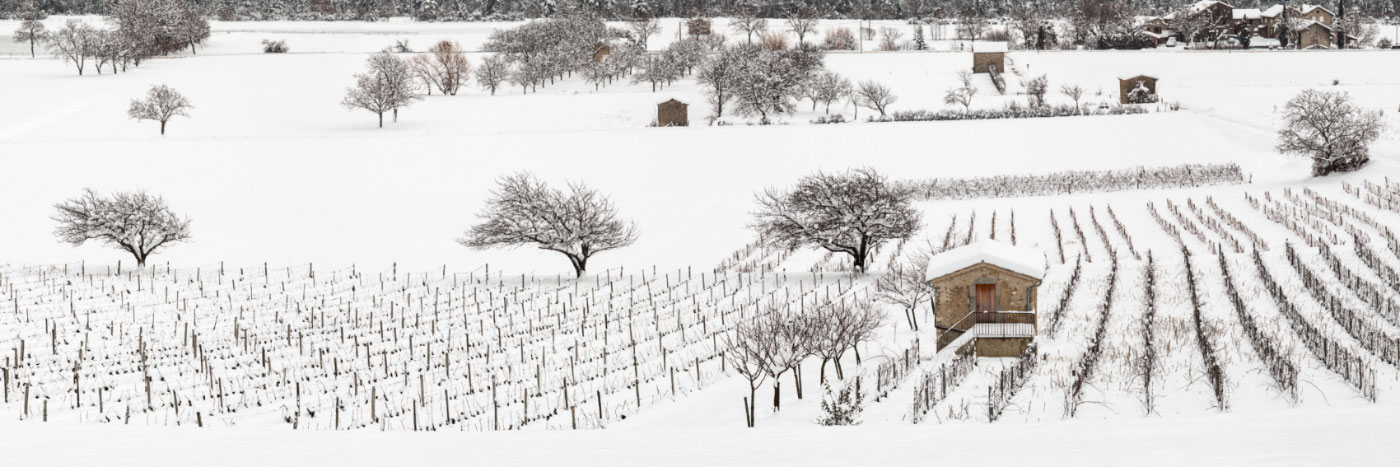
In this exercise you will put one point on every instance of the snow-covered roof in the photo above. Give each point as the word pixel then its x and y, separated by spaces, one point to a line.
pixel 1247 13
pixel 1309 9
pixel 1128 77
pixel 1315 23
pixel 1272 12
pixel 1017 259
pixel 988 46
pixel 1206 4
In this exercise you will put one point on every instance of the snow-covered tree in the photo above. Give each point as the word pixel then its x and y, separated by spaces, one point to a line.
pixel 578 224
pixel 387 86
pixel 642 29
pixel 31 26
pixel 73 43
pixel 919 42
pixel 747 22
pixel 830 87
pixel 1330 129
pixel 904 285
pixel 1074 92
pixel 803 21
pixel 850 213
pixel 138 223
pixel 161 104
pixel 746 350
pixel 493 71
pixel 961 95
pixel 875 96
pixel 657 69
pixel 1036 88
pixel 889 39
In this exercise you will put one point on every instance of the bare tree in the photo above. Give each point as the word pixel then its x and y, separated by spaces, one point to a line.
pixel 444 66
pixel 889 39
pixel 387 86
pixel 746 21
pixel 31 31
pixel 642 29
pixel 961 95
pixel 790 341
pixel 746 350
pixel 493 71
pixel 1328 128
pixel 719 73
pixel 161 104
pixel 905 285
pixel 852 213
pixel 73 43
pixel 138 223
pixel 830 87
pixel 802 22
pixel 1073 92
pixel 578 224
pixel 875 96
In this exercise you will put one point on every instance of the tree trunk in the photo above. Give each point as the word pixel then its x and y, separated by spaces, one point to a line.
pixel 396 114
pixel 797 380
pixel 381 119
pixel 777 394
pixel 162 127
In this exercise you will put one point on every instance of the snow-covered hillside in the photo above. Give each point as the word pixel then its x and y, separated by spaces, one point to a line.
pixel 324 310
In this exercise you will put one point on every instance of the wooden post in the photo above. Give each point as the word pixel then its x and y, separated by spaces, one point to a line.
pixel 337 413
pixel 372 392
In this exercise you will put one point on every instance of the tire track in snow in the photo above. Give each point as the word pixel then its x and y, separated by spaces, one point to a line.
pixel 46 119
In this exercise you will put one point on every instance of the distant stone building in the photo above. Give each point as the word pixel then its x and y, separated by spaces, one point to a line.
pixel 672 113
pixel 985 295
pixel 988 54
pixel 1315 35
pixel 1127 84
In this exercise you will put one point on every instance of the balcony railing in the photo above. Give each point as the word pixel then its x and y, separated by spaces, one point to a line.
pixel 991 324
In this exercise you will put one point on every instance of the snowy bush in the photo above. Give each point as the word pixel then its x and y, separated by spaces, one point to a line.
pixel 275 47
pixel 1076 181
pixel 1005 112
pixel 1328 128
pixel 843 407
pixel 839 39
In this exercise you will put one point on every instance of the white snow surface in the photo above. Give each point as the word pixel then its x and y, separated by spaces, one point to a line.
pixel 1018 259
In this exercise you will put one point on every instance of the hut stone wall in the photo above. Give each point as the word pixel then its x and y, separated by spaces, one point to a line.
pixel 982 60
pixel 956 293
pixel 1126 85
pixel 672 113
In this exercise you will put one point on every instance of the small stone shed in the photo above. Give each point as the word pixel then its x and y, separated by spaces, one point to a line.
pixel 988 54
pixel 672 113
pixel 991 286
pixel 1128 83
pixel 698 27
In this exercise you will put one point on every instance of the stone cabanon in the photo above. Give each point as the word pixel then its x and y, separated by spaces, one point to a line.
pixel 986 55
pixel 988 289
pixel 672 113
pixel 1128 83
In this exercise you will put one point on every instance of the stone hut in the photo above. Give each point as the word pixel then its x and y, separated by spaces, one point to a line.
pixel 698 27
pixel 985 295
pixel 672 113
pixel 988 54
pixel 1127 84
pixel 1315 35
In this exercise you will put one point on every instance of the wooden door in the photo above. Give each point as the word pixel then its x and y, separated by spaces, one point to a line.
pixel 986 297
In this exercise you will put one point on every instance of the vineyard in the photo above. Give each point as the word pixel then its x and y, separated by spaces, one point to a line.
pixel 1224 299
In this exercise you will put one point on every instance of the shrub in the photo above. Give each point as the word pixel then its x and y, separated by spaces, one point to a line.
pixel 839 39
pixel 775 41
pixel 274 47
pixel 843 407
pixel 828 119
pixel 1005 112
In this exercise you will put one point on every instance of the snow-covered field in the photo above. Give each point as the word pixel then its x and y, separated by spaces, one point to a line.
pixel 324 272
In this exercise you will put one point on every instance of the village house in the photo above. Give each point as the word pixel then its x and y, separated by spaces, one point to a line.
pixel 1312 26
pixel 985 296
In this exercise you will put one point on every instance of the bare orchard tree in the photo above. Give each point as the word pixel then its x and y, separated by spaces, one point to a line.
pixel 802 21
pixel 746 350
pixel 642 29
pixel 493 71
pixel 1331 130
pixel 719 73
pixel 387 86
pixel 138 223
pixel 840 326
pixel 1073 92
pixel 578 224
pixel 875 96
pixel 73 43
pixel 961 95
pixel 1036 89
pixel 31 31
pixel 446 65
pixel 746 21
pixel 904 285
pixel 852 213
pixel 161 104
pixel 791 341
pixel 830 87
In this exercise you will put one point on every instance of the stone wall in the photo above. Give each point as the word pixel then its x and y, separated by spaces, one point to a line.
pixel 1002 347
pixel 980 61
pixel 954 293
